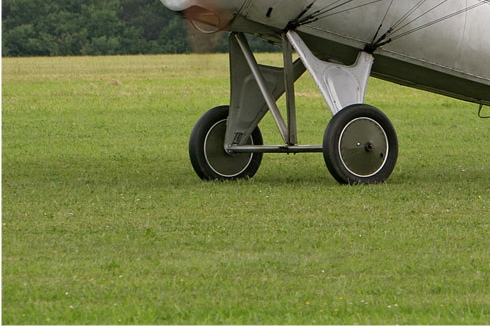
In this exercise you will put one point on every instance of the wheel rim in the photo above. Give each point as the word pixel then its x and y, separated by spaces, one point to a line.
pixel 218 159
pixel 363 147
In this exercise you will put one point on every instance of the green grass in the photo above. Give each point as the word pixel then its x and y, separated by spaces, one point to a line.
pixel 105 222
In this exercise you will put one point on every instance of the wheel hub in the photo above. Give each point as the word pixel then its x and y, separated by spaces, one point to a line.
pixel 363 160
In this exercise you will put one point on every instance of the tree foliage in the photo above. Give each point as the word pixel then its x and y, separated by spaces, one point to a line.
pixel 91 27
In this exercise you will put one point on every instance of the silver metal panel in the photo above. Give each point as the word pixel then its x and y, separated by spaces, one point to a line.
pixel 459 44
pixel 340 85
pixel 448 56
pixel 451 57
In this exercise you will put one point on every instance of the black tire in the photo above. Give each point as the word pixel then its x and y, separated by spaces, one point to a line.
pixel 207 153
pixel 360 145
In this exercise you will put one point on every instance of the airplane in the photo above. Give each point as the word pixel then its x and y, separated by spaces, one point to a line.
pixel 440 46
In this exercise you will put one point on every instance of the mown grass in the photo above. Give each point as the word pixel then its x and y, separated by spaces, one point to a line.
pixel 104 221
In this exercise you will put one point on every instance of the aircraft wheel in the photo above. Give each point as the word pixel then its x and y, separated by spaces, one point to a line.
pixel 208 156
pixel 360 145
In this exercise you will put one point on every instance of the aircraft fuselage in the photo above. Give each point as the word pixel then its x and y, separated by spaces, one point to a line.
pixel 440 48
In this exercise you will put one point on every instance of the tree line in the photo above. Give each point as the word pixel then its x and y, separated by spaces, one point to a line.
pixel 108 27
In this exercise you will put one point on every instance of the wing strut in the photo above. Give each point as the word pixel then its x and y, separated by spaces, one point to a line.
pixel 339 84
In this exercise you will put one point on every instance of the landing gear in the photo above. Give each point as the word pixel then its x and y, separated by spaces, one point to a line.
pixel 208 156
pixel 360 145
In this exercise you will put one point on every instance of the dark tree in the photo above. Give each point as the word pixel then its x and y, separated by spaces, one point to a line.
pixel 90 27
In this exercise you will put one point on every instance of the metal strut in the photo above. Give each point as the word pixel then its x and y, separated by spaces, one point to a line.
pixel 255 88
pixel 339 84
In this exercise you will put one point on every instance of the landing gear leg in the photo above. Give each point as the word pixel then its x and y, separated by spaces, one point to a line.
pixel 360 144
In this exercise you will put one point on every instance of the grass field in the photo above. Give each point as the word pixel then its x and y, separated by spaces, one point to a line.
pixel 105 222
